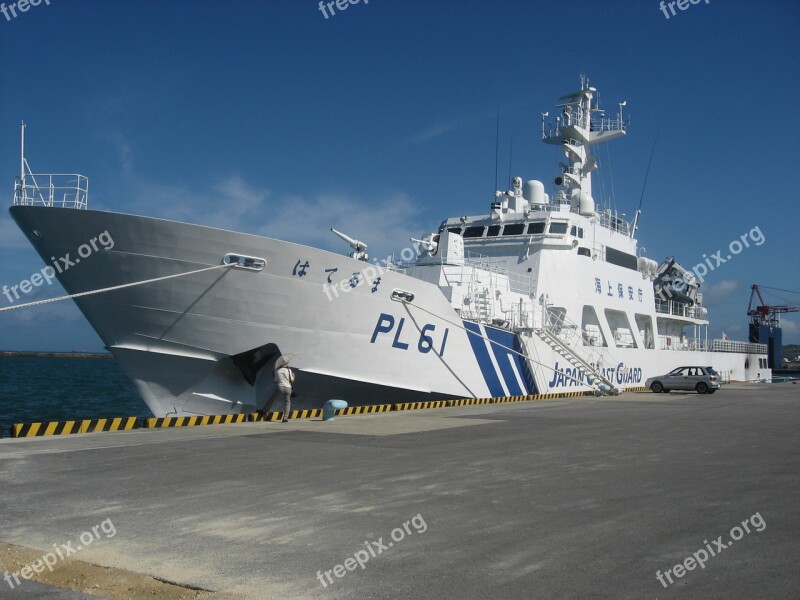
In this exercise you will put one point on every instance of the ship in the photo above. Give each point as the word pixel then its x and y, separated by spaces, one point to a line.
pixel 544 294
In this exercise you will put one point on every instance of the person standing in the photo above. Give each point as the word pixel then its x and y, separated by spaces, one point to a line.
pixel 284 377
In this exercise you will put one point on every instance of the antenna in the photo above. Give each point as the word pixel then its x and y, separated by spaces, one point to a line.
pixel 22 153
pixel 510 156
pixel 496 147
pixel 641 199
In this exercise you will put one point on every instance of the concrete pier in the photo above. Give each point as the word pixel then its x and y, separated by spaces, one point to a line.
pixel 572 498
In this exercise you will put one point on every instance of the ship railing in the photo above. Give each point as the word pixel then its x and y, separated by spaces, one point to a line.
pixel 54 190
pixel 679 309
pixel 498 269
pixel 568 331
pixel 732 346
pixel 517 282
pixel 523 316
pixel 596 124
pixel 667 342
pixel 571 338
pixel 614 222
pixel 608 124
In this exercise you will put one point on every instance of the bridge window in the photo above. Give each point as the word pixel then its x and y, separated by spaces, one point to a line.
pixel 493 231
pixel 558 227
pixel 474 232
pixel 514 229
pixel 536 228
pixel 454 230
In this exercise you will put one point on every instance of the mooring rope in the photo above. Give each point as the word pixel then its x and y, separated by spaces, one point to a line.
pixel 114 288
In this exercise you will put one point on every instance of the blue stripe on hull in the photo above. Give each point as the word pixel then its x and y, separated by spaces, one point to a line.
pixel 502 340
pixel 483 358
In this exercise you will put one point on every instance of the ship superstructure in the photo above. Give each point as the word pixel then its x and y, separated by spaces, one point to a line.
pixel 545 293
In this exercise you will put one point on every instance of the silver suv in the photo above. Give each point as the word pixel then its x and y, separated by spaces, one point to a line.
pixel 704 380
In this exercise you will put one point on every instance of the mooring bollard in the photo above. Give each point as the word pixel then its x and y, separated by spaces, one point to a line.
pixel 330 407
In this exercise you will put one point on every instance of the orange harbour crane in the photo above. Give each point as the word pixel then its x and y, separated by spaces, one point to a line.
pixel 766 313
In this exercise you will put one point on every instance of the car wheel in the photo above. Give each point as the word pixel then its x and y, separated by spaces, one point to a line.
pixel 702 388
pixel 657 387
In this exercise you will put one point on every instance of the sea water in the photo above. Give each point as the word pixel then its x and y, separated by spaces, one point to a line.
pixel 61 389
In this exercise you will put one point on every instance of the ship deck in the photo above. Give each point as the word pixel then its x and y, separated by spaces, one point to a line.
pixel 569 498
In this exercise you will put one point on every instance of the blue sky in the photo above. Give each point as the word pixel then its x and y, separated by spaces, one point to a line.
pixel 266 117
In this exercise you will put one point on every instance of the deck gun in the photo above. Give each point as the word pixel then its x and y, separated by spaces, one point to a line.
pixel 358 247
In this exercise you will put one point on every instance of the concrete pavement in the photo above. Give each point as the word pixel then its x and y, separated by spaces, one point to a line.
pixel 573 498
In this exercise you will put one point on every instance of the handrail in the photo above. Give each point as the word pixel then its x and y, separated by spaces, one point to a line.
pixel 679 309
pixel 732 346
pixel 516 282
pixel 62 190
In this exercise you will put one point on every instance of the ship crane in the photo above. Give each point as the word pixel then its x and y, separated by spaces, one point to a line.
pixel 766 314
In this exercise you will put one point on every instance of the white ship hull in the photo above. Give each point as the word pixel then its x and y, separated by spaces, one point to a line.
pixel 176 339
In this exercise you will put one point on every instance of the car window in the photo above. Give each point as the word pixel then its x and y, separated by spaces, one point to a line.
pixel 676 371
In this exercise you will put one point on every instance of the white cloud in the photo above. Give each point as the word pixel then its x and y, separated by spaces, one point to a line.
pixel 791 329
pixel 715 294
pixel 436 130
pixel 383 223
pixel 443 127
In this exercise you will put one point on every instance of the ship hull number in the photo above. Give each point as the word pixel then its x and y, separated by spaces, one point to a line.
pixel 429 338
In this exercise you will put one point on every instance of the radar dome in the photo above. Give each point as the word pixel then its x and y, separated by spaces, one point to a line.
pixel 533 192
pixel 583 202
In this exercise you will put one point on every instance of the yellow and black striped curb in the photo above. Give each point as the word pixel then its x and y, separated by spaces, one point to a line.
pixel 155 423
pixel 127 423
pixel 363 410
pixel 114 424
pixel 308 413
pixel 420 405
pixel 469 401
pixel 19 430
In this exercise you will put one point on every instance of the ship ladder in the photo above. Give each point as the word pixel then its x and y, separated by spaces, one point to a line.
pixel 575 359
